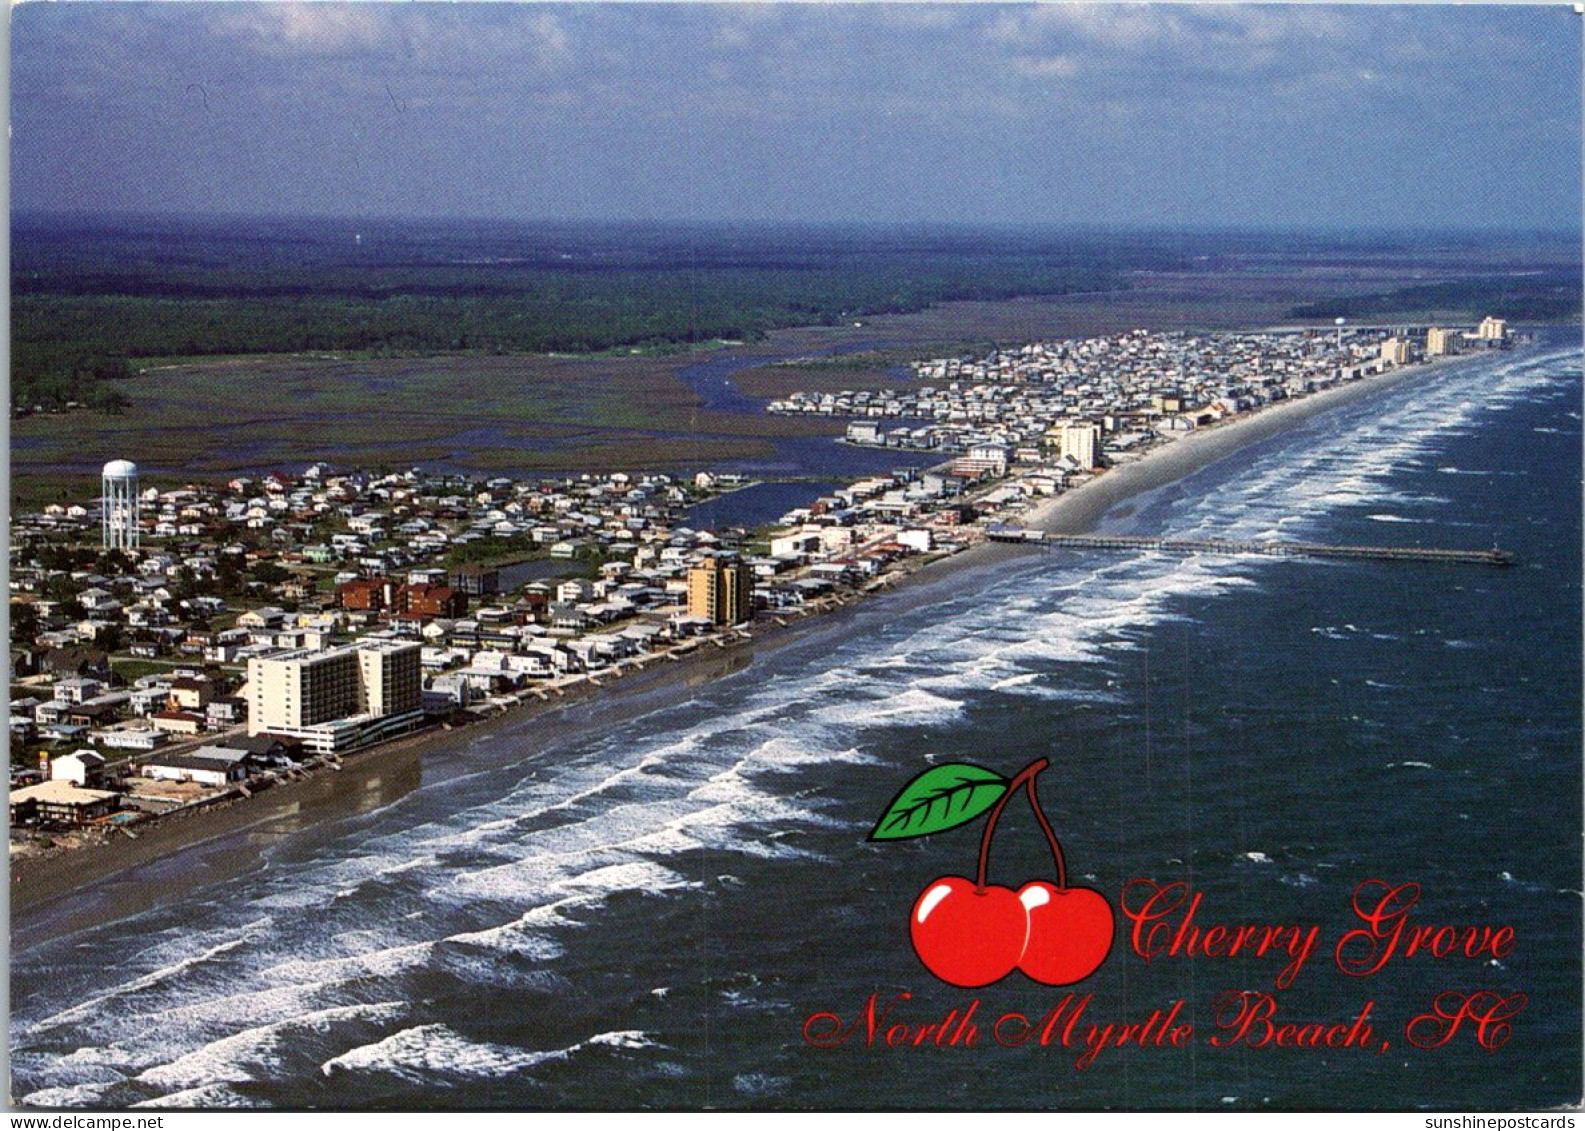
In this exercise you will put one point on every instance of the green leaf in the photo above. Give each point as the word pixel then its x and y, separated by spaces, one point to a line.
pixel 941 798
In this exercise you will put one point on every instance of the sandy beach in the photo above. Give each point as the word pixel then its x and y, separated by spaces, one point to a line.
pixel 55 895
pixel 1078 511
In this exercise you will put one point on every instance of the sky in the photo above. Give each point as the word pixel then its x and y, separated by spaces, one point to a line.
pixel 1268 116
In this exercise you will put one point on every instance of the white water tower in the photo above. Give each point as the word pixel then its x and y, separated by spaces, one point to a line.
pixel 119 505
pixel 1340 322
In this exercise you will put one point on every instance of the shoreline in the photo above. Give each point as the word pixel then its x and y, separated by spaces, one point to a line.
pixel 72 890
pixel 1076 512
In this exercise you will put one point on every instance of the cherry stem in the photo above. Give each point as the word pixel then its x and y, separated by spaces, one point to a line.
pixel 1026 778
pixel 1051 836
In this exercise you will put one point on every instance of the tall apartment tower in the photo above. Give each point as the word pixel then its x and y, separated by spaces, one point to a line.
pixel 1396 351
pixel 118 514
pixel 391 679
pixel 1440 342
pixel 721 589
pixel 301 689
pixel 1492 329
pixel 1079 441
pixel 337 698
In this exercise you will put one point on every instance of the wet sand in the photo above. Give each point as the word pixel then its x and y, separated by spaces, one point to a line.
pixel 56 895
pixel 174 856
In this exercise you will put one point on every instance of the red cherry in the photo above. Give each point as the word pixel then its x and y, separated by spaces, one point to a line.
pixel 1070 933
pixel 968 937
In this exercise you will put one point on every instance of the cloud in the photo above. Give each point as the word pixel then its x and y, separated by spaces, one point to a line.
pixel 1237 62
pixel 1289 48
pixel 441 35
pixel 1046 66
pixel 1167 29
pixel 676 98
pixel 291 28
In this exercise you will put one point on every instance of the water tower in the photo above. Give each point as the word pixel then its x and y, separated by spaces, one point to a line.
pixel 119 505
pixel 1340 322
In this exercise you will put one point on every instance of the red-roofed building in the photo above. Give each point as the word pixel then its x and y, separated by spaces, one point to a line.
pixel 423 600
pixel 366 595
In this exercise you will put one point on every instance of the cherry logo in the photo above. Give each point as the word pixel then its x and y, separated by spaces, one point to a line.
pixel 970 933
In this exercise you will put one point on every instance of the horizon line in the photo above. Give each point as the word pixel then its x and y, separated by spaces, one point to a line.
pixel 1429 228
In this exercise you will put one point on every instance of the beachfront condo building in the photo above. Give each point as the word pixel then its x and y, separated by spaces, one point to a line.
pixel 721 589
pixel 1395 351
pixel 1079 443
pixel 1441 343
pixel 1492 329
pixel 337 698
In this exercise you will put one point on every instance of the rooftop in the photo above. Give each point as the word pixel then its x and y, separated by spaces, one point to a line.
pixel 59 793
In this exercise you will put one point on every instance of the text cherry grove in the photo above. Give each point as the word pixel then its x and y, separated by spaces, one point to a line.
pixel 1166 921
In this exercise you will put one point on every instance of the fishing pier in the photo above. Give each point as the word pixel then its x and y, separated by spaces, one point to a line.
pixel 1491 557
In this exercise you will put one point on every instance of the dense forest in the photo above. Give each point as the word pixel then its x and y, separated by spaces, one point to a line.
pixel 90 298
pixel 94 297
pixel 1538 296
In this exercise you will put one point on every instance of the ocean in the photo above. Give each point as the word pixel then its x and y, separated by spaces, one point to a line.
pixel 646 914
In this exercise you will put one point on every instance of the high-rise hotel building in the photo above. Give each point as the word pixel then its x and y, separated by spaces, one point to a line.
pixel 1440 342
pixel 1080 442
pixel 1395 351
pixel 721 589
pixel 338 698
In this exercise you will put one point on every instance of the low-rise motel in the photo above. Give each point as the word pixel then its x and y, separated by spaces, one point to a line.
pixel 216 638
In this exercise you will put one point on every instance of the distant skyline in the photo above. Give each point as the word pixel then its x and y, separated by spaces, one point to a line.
pixel 1244 116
